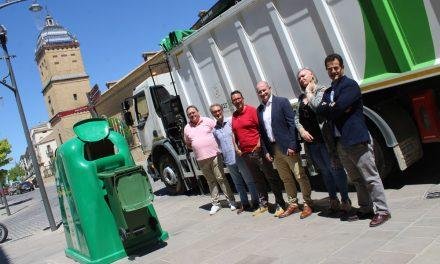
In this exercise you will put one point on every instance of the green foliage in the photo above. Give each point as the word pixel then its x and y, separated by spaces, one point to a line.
pixel 5 150
pixel 117 125
pixel 3 174
pixel 16 172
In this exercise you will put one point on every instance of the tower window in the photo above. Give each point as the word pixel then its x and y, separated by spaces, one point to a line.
pixel 63 55
pixel 57 62
pixel 72 54
pixel 74 61
pixel 75 97
pixel 55 56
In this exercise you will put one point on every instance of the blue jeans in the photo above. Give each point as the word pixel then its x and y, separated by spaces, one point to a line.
pixel 242 177
pixel 334 178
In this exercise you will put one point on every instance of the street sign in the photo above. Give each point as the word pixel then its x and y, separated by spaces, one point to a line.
pixel 94 95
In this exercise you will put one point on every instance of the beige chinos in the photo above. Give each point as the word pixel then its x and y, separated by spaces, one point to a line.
pixel 285 165
pixel 212 169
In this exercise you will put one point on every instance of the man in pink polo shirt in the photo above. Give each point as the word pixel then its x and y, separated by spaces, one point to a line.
pixel 199 137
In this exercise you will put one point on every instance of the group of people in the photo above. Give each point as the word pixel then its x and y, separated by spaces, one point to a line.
pixel 256 141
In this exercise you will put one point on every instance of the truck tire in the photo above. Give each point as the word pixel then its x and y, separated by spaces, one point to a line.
pixel 385 161
pixel 3 233
pixel 170 175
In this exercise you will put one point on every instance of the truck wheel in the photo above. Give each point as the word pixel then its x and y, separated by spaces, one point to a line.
pixel 170 175
pixel 3 233
pixel 385 161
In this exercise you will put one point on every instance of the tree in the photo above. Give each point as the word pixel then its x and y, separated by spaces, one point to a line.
pixel 16 172
pixel 3 174
pixel 5 150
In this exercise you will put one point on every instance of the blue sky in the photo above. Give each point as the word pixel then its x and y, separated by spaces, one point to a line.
pixel 112 35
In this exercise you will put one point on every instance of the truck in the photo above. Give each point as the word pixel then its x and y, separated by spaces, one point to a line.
pixel 390 47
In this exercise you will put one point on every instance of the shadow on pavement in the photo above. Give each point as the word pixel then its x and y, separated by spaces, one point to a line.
pixel 141 253
pixel 3 257
pixel 56 226
pixel 16 203
pixel 165 192
pixel 161 192
pixel 223 204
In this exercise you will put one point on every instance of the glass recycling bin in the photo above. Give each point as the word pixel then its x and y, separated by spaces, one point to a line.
pixel 105 199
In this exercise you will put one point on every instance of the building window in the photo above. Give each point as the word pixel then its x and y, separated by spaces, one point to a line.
pixel 63 55
pixel 74 61
pixel 56 62
pixel 55 56
pixel 49 151
pixel 72 54
pixel 75 97
pixel 51 111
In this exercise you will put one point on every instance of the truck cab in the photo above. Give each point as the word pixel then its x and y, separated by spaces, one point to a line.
pixel 159 117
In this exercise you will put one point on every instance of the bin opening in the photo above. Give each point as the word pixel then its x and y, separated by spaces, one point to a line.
pixel 98 149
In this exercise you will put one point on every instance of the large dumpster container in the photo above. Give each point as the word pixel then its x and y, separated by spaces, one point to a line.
pixel 105 199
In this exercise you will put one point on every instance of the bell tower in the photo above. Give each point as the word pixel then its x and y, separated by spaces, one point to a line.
pixel 65 82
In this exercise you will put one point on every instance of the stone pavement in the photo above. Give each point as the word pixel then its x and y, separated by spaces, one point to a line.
pixel 27 213
pixel 411 236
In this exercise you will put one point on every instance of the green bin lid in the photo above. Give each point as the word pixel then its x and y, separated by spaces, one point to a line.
pixel 92 130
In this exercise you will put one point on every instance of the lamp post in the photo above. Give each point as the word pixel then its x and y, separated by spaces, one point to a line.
pixel 34 7
pixel 13 87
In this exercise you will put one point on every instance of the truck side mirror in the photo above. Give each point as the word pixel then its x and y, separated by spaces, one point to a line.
pixel 125 105
pixel 128 118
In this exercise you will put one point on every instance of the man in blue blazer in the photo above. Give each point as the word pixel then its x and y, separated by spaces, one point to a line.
pixel 342 103
pixel 280 145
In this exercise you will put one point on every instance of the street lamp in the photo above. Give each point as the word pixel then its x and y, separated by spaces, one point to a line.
pixel 13 87
pixel 35 7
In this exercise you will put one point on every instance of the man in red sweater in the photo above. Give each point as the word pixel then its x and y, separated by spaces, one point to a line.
pixel 245 128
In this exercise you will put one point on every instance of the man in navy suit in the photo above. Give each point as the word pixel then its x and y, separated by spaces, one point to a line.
pixel 280 145
pixel 342 103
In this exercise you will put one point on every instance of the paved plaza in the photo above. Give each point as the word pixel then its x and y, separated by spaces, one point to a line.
pixel 411 236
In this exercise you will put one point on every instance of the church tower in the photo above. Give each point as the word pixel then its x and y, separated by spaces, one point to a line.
pixel 65 82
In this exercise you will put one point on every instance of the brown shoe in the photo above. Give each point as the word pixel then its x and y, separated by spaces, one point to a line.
pixel 293 208
pixel 335 205
pixel 379 219
pixel 307 211
pixel 243 207
pixel 345 206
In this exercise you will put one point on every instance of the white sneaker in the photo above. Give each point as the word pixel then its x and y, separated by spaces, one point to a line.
pixel 233 208
pixel 214 209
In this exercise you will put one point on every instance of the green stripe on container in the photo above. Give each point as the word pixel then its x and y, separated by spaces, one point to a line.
pixel 379 56
pixel 412 20
pixel 398 36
